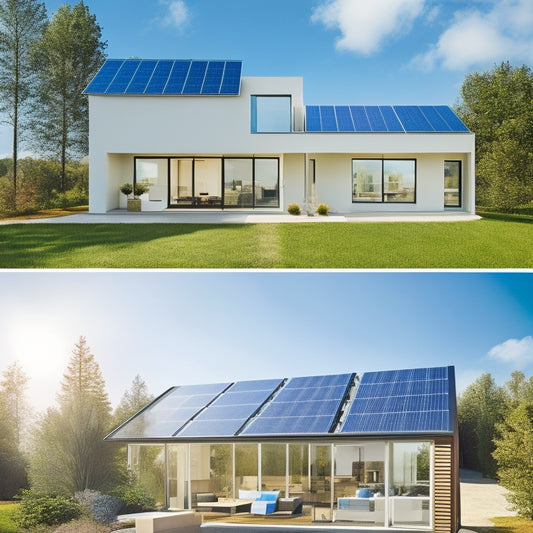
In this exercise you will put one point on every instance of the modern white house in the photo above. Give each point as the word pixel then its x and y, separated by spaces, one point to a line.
pixel 202 136
pixel 369 450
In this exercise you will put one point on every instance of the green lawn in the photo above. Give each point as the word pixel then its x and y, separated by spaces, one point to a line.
pixel 498 241
pixel 6 523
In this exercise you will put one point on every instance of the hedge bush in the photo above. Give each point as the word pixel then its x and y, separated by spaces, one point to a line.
pixel 100 507
pixel 44 508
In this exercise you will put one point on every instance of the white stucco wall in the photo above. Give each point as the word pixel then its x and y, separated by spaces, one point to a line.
pixel 125 126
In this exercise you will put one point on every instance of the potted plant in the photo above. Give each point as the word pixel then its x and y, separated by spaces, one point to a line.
pixel 134 204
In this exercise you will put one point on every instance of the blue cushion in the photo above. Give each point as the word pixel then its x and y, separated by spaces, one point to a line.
pixel 365 493
pixel 268 496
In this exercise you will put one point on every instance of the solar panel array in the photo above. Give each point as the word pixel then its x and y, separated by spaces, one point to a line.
pixel 303 405
pixel 402 401
pixel 166 415
pixel 230 411
pixel 167 77
pixel 382 119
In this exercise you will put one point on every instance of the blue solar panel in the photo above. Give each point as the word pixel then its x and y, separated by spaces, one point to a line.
pixel 262 384
pixel 170 77
pixel 360 119
pixel 433 117
pixel 312 118
pixel 166 415
pixel 375 118
pixel 344 118
pixel 160 77
pixel 413 119
pixel 123 77
pixel 408 401
pixel 451 118
pixel 141 78
pixel 327 115
pixel 303 405
pixel 213 77
pixel 391 120
pixel 104 77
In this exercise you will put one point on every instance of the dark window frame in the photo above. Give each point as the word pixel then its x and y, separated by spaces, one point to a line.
pixel 460 184
pixel 383 160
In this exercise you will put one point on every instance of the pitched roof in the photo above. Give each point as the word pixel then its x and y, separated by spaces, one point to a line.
pixel 397 402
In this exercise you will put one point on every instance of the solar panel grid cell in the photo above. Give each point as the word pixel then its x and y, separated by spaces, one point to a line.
pixel 244 397
pixel 123 77
pixel 412 119
pixel 328 119
pixel 177 77
pixel 159 78
pixel 105 76
pixel 360 119
pixel 259 385
pixel 312 118
pixel 231 81
pixel 211 428
pixel 195 79
pixel 344 118
pixel 375 119
pixel 213 77
pixel 141 77
pixel 451 118
pixel 391 120
pixel 433 117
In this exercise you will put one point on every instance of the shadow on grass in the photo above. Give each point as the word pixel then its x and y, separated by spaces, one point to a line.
pixel 40 245
pixel 506 217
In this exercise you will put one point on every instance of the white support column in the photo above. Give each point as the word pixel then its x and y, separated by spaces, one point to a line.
pixel 287 470
pixel 233 468
pixel 387 522
pixel 259 466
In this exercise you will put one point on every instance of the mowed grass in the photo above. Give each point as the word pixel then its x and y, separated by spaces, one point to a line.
pixel 6 522
pixel 493 242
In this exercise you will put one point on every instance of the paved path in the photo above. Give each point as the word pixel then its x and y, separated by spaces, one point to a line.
pixel 120 216
pixel 481 499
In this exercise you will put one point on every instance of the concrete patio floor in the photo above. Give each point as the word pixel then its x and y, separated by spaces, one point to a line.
pixel 121 216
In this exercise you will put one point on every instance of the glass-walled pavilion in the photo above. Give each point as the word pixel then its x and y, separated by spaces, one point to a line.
pixel 379 483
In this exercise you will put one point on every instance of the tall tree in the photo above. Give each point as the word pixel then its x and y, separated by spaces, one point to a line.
pixel 482 405
pixel 13 388
pixel 70 53
pixel 69 453
pixel 498 106
pixel 21 24
pixel 133 400
pixel 514 454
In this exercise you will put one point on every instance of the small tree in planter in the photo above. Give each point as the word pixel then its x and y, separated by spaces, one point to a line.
pixel 134 204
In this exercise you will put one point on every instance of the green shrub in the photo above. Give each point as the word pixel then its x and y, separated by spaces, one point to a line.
pixel 322 209
pixel 139 189
pixel 98 506
pixel 44 508
pixel 126 189
pixel 134 497
pixel 294 209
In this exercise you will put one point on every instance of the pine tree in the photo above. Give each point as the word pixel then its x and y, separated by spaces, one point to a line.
pixel 70 53
pixel 13 388
pixel 21 24
pixel 69 453
pixel 132 401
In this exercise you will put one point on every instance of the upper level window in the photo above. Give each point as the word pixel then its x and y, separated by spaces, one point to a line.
pixel 271 114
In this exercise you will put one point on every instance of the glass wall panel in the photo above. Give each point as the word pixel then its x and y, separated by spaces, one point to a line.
pixel 246 462
pixel 208 182
pixel 154 174
pixel 299 471
pixel 410 483
pixel 181 182
pixel 399 180
pixel 148 463
pixel 360 483
pixel 273 467
pixel 271 114
pixel 452 183
pixel 321 474
pixel 366 180
pixel 238 178
pixel 266 183
pixel 178 476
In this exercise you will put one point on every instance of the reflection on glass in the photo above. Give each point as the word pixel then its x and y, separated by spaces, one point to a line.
pixel 181 182
pixel 271 114
pixel 178 476
pixel 399 180
pixel 238 176
pixel 207 178
pixel 266 183
pixel 245 467
pixel 154 174
pixel 148 463
pixel 366 180
pixel 273 460
pixel 452 183
pixel 410 482
pixel 321 474
pixel 299 470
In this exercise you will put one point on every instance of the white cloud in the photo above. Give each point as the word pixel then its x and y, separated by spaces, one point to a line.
pixel 177 13
pixel 482 38
pixel 513 351
pixel 365 25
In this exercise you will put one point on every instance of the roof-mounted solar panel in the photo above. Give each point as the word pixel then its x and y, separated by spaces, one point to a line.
pixel 344 118
pixel 375 119
pixel 312 118
pixel 167 77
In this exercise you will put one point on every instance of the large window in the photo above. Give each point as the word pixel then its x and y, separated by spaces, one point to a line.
pixel 273 467
pixel 153 173
pixel 452 183
pixel 384 180
pixel 271 114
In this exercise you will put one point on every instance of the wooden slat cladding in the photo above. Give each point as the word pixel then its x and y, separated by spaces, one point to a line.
pixel 443 487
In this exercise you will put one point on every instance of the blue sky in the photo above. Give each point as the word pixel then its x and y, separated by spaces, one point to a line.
pixel 177 328
pixel 348 51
